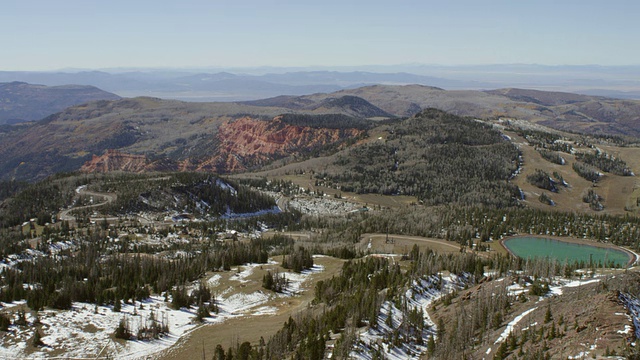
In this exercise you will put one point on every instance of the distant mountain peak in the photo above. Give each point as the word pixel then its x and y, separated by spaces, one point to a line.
pixel 20 101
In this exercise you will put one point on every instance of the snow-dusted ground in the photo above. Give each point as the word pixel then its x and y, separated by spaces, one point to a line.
pixel 232 215
pixel 511 326
pixel 421 295
pixel 86 330
pixel 633 304
pixel 322 205
pixel 555 287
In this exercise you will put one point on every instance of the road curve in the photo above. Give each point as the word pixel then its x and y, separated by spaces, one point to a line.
pixel 64 214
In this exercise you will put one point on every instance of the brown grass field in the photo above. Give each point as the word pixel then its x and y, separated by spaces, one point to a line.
pixel 249 328
pixel 618 191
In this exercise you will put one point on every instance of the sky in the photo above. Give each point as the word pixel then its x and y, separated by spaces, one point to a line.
pixel 95 34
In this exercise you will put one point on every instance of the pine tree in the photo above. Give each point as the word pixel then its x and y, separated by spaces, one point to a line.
pixel 37 338
pixel 552 331
pixel 431 345
pixel 202 312
pixel 501 353
pixel 513 342
pixel 267 281
pixel 122 331
pixel 548 316
pixel 5 322
pixel 440 330
pixel 218 353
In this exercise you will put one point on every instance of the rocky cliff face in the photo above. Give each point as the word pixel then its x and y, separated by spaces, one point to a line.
pixel 114 160
pixel 247 143
pixel 241 144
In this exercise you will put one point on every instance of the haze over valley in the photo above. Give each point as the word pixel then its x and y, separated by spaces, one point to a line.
pixel 238 84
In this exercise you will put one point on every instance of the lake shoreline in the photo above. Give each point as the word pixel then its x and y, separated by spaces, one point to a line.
pixel 632 256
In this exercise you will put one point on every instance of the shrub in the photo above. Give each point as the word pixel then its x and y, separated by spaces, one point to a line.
pixel 542 180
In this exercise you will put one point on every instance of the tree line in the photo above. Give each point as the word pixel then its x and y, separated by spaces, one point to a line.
pixel 438 157
pixel 97 271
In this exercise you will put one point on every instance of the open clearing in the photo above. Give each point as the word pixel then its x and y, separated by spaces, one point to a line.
pixel 618 191
pixel 402 244
pixel 260 320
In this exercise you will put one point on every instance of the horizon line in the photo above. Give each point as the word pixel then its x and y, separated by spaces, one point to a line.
pixel 257 67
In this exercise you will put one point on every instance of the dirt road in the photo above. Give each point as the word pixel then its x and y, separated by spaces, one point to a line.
pixel 400 244
pixel 64 215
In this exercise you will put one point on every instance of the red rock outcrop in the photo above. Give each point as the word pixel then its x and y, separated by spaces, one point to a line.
pixel 114 160
pixel 240 144
pixel 247 142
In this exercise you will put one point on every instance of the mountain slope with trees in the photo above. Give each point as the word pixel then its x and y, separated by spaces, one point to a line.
pixel 558 110
pixel 220 137
pixel 438 157
pixel 175 135
pixel 21 102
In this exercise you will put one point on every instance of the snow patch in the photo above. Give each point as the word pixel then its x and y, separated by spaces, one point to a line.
pixel 214 281
pixel 633 305
pixel 627 330
pixel 241 302
pixel 512 324
pixel 223 185
pixel 86 330
pixel 420 296
pixel 265 310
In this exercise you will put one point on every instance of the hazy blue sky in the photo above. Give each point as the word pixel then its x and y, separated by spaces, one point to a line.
pixel 47 34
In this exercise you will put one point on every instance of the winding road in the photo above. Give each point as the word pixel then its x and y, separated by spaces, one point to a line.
pixel 64 215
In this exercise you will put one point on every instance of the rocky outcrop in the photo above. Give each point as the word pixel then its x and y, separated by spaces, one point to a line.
pixel 247 143
pixel 240 144
pixel 114 160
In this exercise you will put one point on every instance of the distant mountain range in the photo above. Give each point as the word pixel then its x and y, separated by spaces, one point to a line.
pixel 559 110
pixel 238 136
pixel 21 102
pixel 241 84
pixel 224 86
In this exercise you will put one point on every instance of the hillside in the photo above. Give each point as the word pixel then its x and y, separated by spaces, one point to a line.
pixel 21 102
pixel 546 98
pixel 438 157
pixel 563 111
pixel 162 134
pixel 190 85
pixel 174 135
pixel 343 104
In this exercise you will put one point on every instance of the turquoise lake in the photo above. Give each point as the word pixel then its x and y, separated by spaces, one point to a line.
pixel 532 247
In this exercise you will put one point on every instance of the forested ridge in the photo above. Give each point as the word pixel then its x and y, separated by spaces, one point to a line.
pixel 438 157
pixel 605 162
pixel 464 224
pixel 365 293
pixel 41 200
pixel 188 192
pixel 197 193
pixel 327 121
pixel 96 269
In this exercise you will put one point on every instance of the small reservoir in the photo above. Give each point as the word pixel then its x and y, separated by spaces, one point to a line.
pixel 531 247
